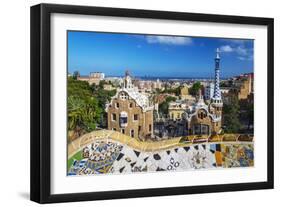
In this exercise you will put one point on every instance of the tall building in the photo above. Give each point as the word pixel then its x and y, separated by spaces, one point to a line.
pixel 157 84
pixel 203 119
pixel 209 91
pixel 243 86
pixel 97 75
pixel 94 77
pixel 130 112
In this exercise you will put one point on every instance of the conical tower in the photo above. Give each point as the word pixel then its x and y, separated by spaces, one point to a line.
pixel 216 100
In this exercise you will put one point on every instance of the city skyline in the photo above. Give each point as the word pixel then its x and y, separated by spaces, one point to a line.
pixel 157 56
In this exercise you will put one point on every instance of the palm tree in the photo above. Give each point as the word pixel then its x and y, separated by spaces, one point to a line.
pixel 75 108
pixel 83 113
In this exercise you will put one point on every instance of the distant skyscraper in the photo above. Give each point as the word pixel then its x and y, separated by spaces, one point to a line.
pixel 209 91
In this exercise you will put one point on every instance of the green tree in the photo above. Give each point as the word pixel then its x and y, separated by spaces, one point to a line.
pixel 178 91
pixel 231 116
pixel 91 114
pixel 83 108
pixel 74 109
pixel 102 83
pixel 103 97
pixel 76 74
pixel 175 91
pixel 83 113
pixel 250 114
pixel 78 88
pixel 195 88
pixel 247 112
pixel 158 91
pixel 164 106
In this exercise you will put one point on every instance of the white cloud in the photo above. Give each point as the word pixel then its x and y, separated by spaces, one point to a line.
pixel 241 58
pixel 235 41
pixel 242 52
pixel 169 40
pixel 226 48
pixel 250 57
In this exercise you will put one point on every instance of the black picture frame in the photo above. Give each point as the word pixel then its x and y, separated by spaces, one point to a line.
pixel 41 95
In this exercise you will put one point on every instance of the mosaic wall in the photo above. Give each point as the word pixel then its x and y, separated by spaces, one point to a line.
pixel 111 157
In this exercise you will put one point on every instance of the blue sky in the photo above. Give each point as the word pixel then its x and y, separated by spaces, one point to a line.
pixel 158 56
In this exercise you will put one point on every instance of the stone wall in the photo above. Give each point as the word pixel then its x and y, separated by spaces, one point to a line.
pixel 141 127
pixel 201 118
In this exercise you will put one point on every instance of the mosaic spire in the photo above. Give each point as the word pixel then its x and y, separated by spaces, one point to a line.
pixel 217 92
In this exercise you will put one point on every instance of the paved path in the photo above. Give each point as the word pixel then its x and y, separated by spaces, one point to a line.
pixel 147 146
pixel 87 139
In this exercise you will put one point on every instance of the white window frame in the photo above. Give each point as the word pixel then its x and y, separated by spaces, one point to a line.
pixel 112 117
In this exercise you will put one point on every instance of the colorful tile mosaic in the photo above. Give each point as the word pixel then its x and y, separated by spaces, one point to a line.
pixel 237 155
pixel 103 157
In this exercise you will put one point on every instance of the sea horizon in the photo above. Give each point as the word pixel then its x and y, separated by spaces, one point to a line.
pixel 171 77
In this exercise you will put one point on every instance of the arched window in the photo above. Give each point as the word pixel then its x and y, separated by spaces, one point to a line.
pixel 202 114
pixel 123 96
pixel 132 133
